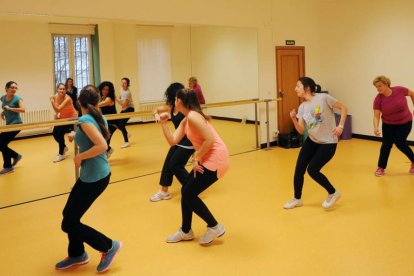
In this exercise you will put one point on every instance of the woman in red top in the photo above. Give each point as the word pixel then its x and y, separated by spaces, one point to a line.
pixel 391 105
pixel 63 106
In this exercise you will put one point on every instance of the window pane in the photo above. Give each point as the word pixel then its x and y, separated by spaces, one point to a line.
pixel 61 58
pixel 81 55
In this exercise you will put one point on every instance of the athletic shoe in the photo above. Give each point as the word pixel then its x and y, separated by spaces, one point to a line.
pixel 109 152
pixel 59 158
pixel 69 262
pixel 17 159
pixel 108 257
pixel 379 172
pixel 7 170
pixel 412 168
pixel 125 145
pixel 211 234
pixel 331 199
pixel 180 236
pixel 293 203
pixel 160 195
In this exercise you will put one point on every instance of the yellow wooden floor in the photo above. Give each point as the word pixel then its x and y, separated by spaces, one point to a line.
pixel 369 232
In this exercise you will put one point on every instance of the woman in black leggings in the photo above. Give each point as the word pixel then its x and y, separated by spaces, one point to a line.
pixel 178 155
pixel 12 106
pixel 316 111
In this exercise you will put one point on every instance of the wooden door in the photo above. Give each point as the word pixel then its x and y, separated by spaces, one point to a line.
pixel 290 66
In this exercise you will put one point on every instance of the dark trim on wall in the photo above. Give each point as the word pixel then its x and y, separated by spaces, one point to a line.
pixel 233 120
pixel 374 138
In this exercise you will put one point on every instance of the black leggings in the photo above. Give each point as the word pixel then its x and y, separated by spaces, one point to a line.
pixel 59 135
pixel 395 134
pixel 190 202
pixel 81 197
pixel 174 164
pixel 8 153
pixel 122 123
pixel 313 157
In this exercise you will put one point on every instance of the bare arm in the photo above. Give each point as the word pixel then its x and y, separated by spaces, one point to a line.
pixel 58 107
pixel 411 95
pixel 299 125
pixel 99 144
pixel 20 109
pixel 173 138
pixel 107 102
pixel 377 114
pixel 340 127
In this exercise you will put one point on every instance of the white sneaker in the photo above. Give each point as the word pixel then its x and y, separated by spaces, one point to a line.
pixel 211 234
pixel 125 145
pixel 293 203
pixel 59 158
pixel 180 236
pixel 160 195
pixel 331 199
pixel 109 153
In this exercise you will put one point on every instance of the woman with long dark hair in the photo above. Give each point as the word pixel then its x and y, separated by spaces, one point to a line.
pixel 210 162
pixel 95 173
pixel 178 155
pixel 316 111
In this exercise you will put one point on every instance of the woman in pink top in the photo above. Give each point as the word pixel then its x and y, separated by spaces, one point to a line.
pixel 63 106
pixel 193 84
pixel 210 162
pixel 391 105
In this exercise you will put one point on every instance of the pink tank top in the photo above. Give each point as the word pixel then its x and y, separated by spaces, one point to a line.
pixel 217 158
pixel 68 111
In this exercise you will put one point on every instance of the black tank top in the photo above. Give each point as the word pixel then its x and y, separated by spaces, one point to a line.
pixel 109 109
pixel 176 120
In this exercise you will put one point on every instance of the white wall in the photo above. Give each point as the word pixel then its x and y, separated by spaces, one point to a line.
pixel 26 57
pixel 361 40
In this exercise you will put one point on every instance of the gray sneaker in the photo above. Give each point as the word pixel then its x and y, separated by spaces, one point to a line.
pixel 180 236
pixel 211 234
pixel 69 262
pixel 293 203
pixel 331 199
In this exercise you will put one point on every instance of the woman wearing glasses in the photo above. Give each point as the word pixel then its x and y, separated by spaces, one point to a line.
pixel 12 106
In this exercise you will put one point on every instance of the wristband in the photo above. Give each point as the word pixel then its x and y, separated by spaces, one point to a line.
pixel 341 126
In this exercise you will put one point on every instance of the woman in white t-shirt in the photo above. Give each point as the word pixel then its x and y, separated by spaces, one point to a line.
pixel 125 100
pixel 316 111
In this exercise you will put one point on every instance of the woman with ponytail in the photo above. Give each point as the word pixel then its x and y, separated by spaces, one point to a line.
pixel 316 111
pixel 210 162
pixel 91 134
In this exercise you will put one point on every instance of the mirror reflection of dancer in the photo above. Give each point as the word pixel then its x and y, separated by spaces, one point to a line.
pixel 125 100
pixel 319 148
pixel 107 105
pixel 64 108
pixel 178 155
pixel 94 178
pixel 397 120
pixel 211 161
pixel 12 106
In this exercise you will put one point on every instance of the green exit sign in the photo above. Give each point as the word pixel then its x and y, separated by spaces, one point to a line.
pixel 290 42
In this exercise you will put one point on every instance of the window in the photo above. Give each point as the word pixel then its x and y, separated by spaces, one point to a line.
pixel 72 58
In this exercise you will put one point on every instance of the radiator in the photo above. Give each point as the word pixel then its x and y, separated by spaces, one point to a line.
pixel 34 116
pixel 149 106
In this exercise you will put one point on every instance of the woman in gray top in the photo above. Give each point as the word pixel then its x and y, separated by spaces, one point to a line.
pixel 316 111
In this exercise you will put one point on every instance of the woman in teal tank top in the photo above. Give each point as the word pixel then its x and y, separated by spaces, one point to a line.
pixel 12 106
pixel 91 135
